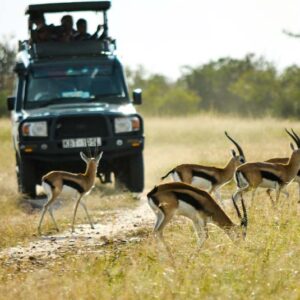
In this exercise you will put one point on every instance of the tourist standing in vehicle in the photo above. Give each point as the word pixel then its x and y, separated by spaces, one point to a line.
pixel 42 32
pixel 67 32
pixel 82 33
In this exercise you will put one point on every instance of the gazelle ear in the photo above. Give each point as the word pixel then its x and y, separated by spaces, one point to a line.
pixel 84 158
pixel 98 157
pixel 292 146
pixel 233 152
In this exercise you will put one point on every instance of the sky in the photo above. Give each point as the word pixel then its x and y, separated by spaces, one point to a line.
pixel 166 35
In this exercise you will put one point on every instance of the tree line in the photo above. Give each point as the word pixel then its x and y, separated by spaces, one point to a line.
pixel 250 86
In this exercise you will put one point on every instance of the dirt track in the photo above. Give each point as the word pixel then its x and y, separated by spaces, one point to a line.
pixel 123 225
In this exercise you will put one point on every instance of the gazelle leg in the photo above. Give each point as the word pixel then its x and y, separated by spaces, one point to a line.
pixel 201 230
pixel 218 196
pixel 75 211
pixel 46 206
pixel 164 219
pixel 299 192
pixel 50 210
pixel 253 195
pixel 161 223
pixel 87 214
pixel 236 195
pixel 159 218
pixel 42 217
pixel 269 193
pixel 285 193
pixel 278 190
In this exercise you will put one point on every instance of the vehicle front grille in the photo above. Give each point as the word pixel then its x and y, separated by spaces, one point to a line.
pixel 78 127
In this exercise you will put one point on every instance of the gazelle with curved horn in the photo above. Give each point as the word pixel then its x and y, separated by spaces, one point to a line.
pixel 55 181
pixel 284 160
pixel 209 178
pixel 272 176
pixel 169 199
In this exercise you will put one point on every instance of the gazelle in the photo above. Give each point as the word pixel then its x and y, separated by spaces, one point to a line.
pixel 272 176
pixel 209 178
pixel 284 160
pixel 169 199
pixel 56 181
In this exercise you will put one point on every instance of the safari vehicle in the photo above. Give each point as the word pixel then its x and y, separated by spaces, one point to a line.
pixel 70 95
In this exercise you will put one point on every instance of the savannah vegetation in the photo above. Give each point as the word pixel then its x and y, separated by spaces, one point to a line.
pixel 264 266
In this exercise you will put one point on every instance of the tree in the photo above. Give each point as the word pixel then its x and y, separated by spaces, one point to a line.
pixel 161 95
pixel 7 61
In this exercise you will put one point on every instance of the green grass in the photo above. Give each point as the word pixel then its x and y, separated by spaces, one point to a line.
pixel 264 266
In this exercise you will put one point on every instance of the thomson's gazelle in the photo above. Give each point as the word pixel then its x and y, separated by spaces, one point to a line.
pixel 284 160
pixel 169 199
pixel 209 178
pixel 55 181
pixel 272 176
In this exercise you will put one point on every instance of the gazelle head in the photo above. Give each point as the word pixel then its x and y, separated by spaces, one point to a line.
pixel 239 159
pixel 91 160
pixel 239 231
pixel 295 138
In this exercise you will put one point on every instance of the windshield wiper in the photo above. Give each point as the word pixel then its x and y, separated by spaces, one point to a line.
pixel 59 101
pixel 109 95
pixel 109 98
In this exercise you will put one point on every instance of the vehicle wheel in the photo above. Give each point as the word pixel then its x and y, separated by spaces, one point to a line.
pixel 130 174
pixel 136 173
pixel 26 176
pixel 121 176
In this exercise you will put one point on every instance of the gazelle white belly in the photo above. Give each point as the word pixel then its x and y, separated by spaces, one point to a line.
pixel 187 210
pixel 269 184
pixel 69 191
pixel 201 183
pixel 240 180
pixel 176 177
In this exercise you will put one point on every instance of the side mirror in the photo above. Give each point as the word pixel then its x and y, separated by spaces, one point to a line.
pixel 11 102
pixel 137 96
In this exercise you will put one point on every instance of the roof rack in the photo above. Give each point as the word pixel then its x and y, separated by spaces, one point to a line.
pixel 69 6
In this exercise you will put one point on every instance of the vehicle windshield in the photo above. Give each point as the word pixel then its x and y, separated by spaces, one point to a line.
pixel 74 84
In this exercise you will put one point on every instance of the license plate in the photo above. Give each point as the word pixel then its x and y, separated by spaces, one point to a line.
pixel 81 143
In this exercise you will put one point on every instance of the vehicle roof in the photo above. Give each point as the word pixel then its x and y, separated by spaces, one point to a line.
pixel 69 6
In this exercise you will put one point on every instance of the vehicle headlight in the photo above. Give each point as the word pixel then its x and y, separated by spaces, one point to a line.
pixel 35 129
pixel 127 124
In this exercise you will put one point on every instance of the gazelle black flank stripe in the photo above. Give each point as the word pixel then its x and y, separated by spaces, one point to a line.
pixel 73 185
pixel 271 176
pixel 204 175
pixel 189 200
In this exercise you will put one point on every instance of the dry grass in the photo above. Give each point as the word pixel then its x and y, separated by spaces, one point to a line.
pixel 265 266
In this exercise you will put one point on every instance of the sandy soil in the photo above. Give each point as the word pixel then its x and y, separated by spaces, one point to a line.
pixel 122 225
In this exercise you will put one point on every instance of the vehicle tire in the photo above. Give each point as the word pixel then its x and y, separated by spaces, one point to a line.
pixel 26 176
pixel 130 174
pixel 136 173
